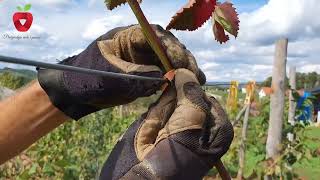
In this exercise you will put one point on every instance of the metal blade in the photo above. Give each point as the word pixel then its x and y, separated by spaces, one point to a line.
pixel 75 69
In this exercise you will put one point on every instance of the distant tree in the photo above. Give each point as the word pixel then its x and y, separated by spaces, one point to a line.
pixel 304 81
pixel 308 80
pixel 313 78
pixel 11 81
pixel 267 82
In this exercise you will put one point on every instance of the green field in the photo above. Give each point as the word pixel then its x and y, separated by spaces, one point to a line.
pixel 77 150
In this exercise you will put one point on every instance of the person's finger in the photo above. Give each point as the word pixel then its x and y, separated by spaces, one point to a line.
pixel 149 87
pixel 157 117
pixel 191 106
pixel 131 45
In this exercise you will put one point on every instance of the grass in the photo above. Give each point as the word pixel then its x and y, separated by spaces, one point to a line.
pixel 310 168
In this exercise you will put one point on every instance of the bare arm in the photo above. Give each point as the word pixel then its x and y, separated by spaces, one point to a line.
pixel 25 118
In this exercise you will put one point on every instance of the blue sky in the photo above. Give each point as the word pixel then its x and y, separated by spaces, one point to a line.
pixel 66 27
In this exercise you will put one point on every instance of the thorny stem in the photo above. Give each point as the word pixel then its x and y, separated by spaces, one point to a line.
pixel 151 36
pixel 156 45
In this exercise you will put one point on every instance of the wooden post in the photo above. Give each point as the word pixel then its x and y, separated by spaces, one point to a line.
pixel 292 104
pixel 277 99
pixel 242 149
pixel 235 122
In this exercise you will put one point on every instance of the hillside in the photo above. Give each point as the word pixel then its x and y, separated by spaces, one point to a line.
pixel 20 72
pixel 77 150
pixel 16 78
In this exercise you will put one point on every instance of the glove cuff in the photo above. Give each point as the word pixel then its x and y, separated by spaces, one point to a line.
pixel 51 82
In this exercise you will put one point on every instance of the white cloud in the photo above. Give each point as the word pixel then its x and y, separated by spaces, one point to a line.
pixel 251 55
pixel 309 68
pixel 52 4
pixel 281 18
pixel 248 57
pixel 91 3
pixel 100 26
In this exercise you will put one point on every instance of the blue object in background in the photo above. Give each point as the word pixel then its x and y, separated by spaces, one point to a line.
pixel 306 116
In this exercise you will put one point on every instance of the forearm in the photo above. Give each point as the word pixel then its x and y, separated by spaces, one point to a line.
pixel 25 118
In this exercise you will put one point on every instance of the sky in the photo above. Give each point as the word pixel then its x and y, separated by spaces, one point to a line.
pixel 62 28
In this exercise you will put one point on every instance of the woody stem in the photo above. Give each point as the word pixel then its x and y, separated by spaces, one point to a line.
pixel 150 35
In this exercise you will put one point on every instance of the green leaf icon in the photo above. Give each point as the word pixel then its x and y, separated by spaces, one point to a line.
pixel 27 7
pixel 19 8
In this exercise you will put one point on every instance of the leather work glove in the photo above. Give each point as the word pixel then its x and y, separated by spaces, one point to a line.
pixel 181 136
pixel 121 50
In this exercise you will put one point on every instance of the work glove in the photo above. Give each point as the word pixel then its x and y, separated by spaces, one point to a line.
pixel 121 50
pixel 181 136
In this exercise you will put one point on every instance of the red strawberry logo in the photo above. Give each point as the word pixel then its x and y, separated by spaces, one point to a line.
pixel 18 16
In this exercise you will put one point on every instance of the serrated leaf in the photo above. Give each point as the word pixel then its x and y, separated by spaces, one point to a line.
pixel 111 4
pixel 226 15
pixel 219 33
pixel 27 7
pixel 193 15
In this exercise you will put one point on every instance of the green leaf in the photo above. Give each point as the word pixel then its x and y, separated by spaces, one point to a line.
pixel 24 175
pixel 33 169
pixel 295 95
pixel 62 163
pixel 19 8
pixel 27 7
pixel 47 169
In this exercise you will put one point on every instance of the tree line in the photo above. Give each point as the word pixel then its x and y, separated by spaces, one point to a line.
pixel 304 81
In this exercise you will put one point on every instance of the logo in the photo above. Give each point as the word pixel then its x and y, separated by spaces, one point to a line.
pixel 21 16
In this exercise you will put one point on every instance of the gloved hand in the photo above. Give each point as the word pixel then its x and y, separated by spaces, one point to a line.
pixel 121 50
pixel 180 137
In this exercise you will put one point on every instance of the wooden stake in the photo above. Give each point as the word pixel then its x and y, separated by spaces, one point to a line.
pixel 242 149
pixel 292 104
pixel 277 99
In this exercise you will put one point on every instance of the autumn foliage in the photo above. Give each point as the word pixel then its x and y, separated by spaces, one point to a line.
pixel 196 12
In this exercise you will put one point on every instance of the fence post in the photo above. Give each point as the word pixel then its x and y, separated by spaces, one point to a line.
pixel 292 104
pixel 277 99
pixel 242 150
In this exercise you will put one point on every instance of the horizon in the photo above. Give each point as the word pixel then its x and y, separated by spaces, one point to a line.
pixel 66 27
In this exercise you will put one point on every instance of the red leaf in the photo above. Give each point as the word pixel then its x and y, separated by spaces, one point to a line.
pixel 227 16
pixel 193 15
pixel 219 33
pixel 111 4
